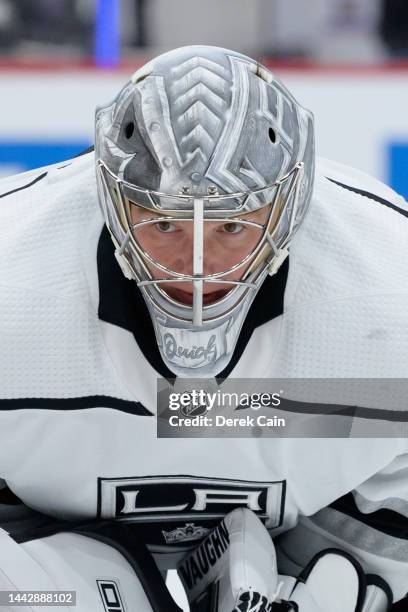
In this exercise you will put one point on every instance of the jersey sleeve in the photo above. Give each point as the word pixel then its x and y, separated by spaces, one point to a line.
pixel 370 522
pixel 359 182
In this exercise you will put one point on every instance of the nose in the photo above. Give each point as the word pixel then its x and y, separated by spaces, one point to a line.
pixel 184 254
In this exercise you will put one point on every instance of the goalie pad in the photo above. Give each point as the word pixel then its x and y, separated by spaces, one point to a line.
pixel 106 565
pixel 234 570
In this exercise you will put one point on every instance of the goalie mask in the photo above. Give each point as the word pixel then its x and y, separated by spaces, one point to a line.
pixel 205 167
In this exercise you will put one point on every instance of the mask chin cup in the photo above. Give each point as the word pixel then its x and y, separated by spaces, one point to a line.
pixel 201 353
pixel 205 351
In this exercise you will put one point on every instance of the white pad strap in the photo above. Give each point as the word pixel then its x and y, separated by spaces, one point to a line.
pixel 378 599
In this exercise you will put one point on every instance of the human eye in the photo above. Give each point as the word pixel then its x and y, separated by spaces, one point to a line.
pixel 232 228
pixel 165 227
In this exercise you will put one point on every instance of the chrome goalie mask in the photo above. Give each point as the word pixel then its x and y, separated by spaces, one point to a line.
pixel 205 167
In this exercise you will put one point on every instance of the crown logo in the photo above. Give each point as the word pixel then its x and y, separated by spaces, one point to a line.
pixel 188 533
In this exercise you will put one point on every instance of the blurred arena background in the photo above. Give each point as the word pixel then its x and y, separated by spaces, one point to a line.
pixel 347 60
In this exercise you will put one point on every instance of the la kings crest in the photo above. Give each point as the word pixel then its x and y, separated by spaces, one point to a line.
pixel 180 510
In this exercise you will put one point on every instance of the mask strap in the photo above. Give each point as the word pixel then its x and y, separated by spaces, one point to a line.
pixel 296 186
pixel 122 248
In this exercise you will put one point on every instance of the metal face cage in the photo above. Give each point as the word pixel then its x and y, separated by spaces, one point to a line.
pixel 267 254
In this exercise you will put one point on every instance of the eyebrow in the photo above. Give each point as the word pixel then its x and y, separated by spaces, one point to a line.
pixel 152 214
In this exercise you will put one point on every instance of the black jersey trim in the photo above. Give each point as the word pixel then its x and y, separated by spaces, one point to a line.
pixel 267 305
pixel 36 180
pixel 121 303
pixel 7 497
pixel 75 403
pixel 86 151
pixel 344 410
pixel 386 521
pixel 372 196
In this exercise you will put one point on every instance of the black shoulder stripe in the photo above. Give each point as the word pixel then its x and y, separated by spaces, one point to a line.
pixel 354 412
pixel 372 196
pixel 38 178
pixel 75 403
pixel 386 521
pixel 86 151
pixel 7 497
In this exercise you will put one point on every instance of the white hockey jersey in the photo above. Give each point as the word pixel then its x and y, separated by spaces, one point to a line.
pixel 79 366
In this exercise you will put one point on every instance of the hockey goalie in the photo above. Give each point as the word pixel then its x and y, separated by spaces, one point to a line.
pixel 202 239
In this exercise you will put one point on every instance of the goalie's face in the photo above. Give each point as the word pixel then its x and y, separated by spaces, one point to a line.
pixel 228 246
